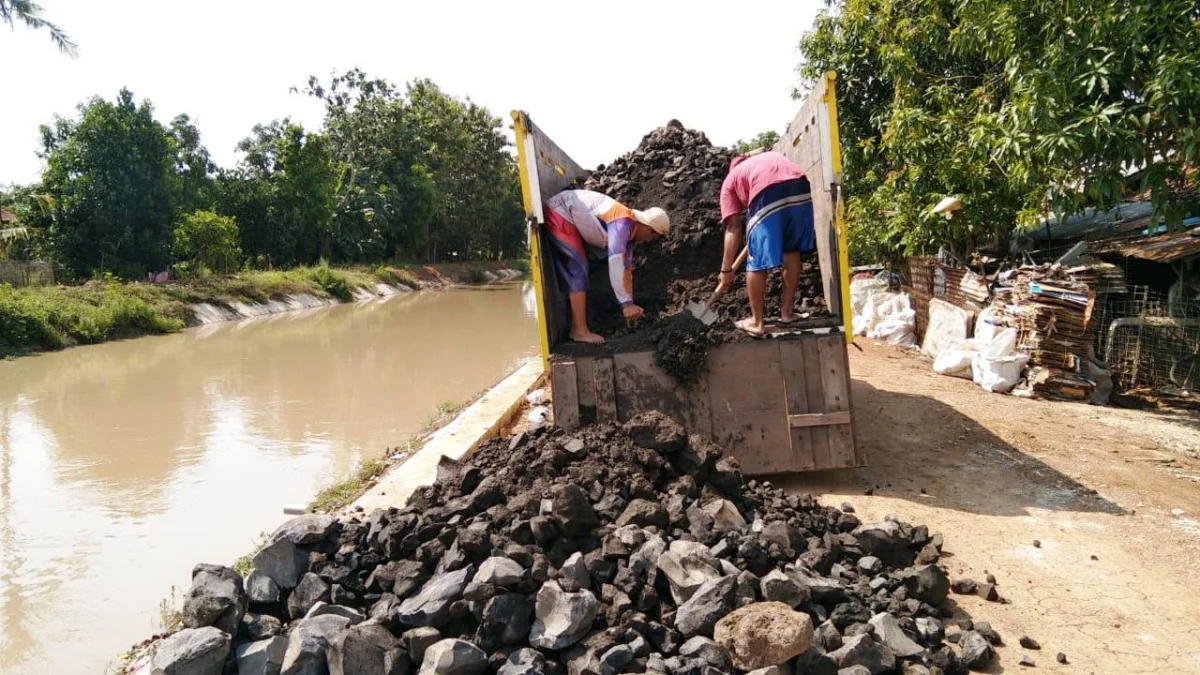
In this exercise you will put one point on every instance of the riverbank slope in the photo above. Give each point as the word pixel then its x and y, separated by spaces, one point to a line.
pixel 54 317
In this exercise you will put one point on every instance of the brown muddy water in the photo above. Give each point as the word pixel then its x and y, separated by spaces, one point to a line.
pixel 124 464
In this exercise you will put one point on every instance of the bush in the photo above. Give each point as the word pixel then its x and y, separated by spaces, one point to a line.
pixel 477 275
pixel 208 240
pixel 55 317
pixel 332 282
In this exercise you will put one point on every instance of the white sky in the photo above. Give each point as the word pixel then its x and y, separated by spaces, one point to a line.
pixel 595 80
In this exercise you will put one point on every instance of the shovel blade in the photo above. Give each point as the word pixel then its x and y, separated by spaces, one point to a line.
pixel 703 312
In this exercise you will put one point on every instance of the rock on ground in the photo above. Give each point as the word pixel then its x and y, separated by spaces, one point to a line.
pixel 977 652
pixel 887 629
pixel 431 607
pixel 700 614
pixel 311 590
pixel 307 529
pixel 764 634
pixel 862 650
pixel 366 649
pixel 264 657
pixel 192 651
pixel 282 562
pixel 454 657
pixel 308 642
pixel 216 598
pixel 562 618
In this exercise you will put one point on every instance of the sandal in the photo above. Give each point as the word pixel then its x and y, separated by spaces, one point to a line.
pixel 744 326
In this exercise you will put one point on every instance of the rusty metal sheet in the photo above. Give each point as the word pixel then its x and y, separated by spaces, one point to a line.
pixel 1163 248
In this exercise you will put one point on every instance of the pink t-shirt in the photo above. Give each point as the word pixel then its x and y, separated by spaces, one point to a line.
pixel 751 176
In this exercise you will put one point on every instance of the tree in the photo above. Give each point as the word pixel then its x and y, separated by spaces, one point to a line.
pixel 111 173
pixel 477 205
pixel 1021 109
pixel 30 14
pixel 282 194
pixel 208 239
pixel 384 195
pixel 193 166
pixel 766 139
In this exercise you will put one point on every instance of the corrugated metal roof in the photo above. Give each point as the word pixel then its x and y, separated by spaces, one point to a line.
pixel 1164 248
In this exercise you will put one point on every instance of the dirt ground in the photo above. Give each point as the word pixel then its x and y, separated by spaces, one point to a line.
pixel 1112 495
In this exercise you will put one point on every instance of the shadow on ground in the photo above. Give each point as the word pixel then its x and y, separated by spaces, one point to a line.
pixel 924 450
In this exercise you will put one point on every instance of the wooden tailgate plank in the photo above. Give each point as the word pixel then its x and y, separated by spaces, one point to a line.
pixel 564 385
pixel 584 370
pixel 605 390
pixel 835 378
pixel 814 387
pixel 749 413
pixel 642 386
pixel 791 355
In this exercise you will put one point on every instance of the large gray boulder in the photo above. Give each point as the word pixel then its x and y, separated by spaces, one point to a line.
pixel 308 643
pixel 764 634
pixel 454 657
pixel 366 649
pixel 192 651
pixel 417 640
pixel 977 652
pixel 562 618
pixel 710 602
pixel 506 620
pixel 725 516
pixel 887 629
pixel 261 588
pixel 573 511
pixel 306 530
pixel 431 606
pixel 777 586
pixel 282 562
pixel 260 626
pixel 311 590
pixel 499 571
pixel 862 650
pixel 688 565
pixel 264 657
pixel 927 583
pixel 644 513
pixel 523 662
pixel 400 578
pixel 320 608
pixel 216 598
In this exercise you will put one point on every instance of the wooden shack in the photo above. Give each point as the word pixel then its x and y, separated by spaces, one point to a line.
pixel 779 405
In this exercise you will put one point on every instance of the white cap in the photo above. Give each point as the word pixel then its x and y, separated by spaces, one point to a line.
pixel 654 218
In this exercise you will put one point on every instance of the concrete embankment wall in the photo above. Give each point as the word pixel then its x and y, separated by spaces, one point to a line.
pixel 205 313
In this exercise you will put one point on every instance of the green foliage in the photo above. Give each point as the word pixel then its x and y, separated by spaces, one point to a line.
pixel 1021 109
pixel 282 193
pixel 54 317
pixel 30 14
pixel 111 174
pixel 766 139
pixel 208 239
pixel 332 282
pixel 341 494
pixel 170 617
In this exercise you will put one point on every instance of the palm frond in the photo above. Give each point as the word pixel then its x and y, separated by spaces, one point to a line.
pixel 30 13
pixel 9 233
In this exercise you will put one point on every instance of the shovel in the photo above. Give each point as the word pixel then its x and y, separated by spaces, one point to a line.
pixel 703 310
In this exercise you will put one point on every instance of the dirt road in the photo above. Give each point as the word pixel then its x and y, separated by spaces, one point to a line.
pixel 1113 497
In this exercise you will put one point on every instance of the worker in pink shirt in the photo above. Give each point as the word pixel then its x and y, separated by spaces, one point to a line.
pixel 767 197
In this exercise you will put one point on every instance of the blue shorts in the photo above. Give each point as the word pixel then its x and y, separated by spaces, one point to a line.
pixel 784 216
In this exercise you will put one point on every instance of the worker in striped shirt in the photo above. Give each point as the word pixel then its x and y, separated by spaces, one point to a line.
pixel 579 220
pixel 767 197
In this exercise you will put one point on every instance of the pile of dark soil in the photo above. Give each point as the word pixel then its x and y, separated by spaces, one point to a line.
pixel 609 550
pixel 680 170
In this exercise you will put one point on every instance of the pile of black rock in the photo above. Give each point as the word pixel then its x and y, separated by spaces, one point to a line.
pixel 612 549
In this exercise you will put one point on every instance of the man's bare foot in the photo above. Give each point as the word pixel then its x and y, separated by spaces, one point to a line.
pixel 786 319
pixel 748 325
pixel 589 337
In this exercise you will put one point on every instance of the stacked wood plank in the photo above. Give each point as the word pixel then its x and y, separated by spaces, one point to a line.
pixel 1051 311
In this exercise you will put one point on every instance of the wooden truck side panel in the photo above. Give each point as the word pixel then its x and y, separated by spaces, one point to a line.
pixel 777 405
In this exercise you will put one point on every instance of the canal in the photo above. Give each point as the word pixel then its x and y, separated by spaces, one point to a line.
pixel 124 464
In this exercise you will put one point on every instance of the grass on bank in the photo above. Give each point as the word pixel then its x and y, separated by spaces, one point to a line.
pixel 341 494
